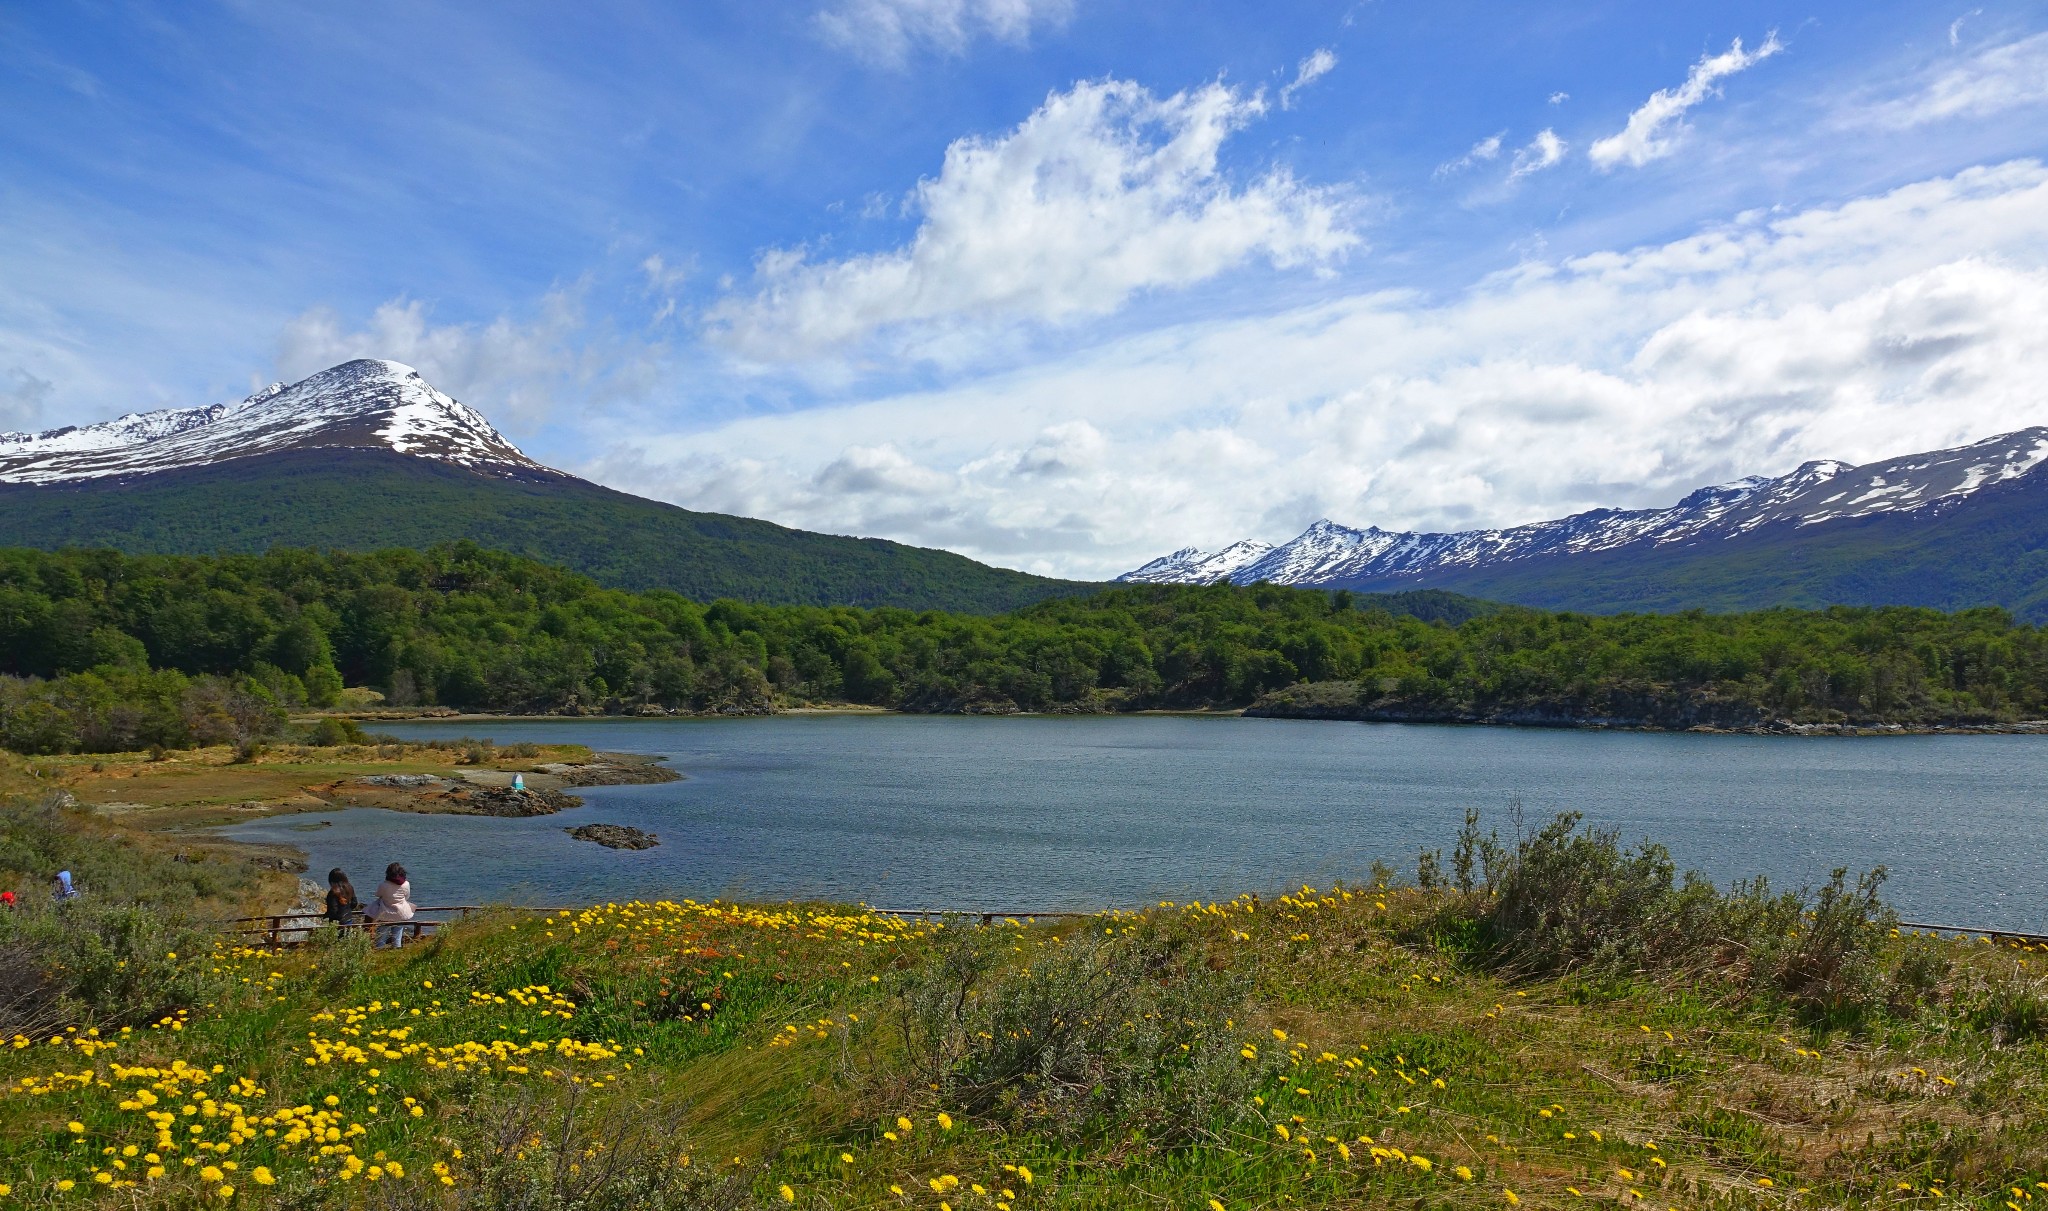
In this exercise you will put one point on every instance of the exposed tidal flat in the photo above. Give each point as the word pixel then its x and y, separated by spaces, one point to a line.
pixel 1046 813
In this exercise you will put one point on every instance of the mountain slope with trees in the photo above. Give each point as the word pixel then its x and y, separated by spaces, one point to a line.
pixel 367 499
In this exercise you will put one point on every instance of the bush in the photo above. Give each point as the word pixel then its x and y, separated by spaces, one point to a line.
pixel 1829 962
pixel 97 964
pixel 1134 1026
pixel 1571 898
pixel 333 732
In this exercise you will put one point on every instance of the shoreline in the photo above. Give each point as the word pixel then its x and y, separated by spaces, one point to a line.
pixel 1778 728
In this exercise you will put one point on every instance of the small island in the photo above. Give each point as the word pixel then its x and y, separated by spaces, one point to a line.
pixel 614 836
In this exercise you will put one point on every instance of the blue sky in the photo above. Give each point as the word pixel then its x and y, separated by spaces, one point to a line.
pixel 1057 283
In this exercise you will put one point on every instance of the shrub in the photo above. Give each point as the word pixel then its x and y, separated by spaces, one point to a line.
pixel 1134 1026
pixel 333 732
pixel 1574 898
pixel 1829 963
pixel 100 964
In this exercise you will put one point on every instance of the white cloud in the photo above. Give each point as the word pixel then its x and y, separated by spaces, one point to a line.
pixel 1546 150
pixel 1905 321
pixel 2008 76
pixel 1479 153
pixel 1313 68
pixel 1560 97
pixel 1105 191
pixel 514 372
pixel 1654 129
pixel 886 31
pixel 22 396
pixel 1955 27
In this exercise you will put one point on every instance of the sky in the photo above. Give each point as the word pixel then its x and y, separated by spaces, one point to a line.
pixel 1059 284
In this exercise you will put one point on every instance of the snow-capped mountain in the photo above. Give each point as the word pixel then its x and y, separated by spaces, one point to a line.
pixel 1190 566
pixel 360 404
pixel 1815 494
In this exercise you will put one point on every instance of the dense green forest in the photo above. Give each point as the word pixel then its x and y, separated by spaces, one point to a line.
pixel 102 651
pixel 354 500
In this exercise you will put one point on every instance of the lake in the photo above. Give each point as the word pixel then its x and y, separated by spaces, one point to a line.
pixel 1046 813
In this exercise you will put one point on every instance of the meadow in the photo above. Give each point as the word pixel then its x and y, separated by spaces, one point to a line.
pixel 1547 1020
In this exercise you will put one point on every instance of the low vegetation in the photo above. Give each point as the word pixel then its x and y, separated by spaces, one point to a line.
pixel 1543 1020
pixel 102 652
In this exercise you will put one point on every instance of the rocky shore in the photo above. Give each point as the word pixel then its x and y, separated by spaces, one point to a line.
pixel 1633 710
pixel 484 792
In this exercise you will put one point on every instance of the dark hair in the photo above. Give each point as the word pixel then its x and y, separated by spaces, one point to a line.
pixel 337 875
pixel 395 873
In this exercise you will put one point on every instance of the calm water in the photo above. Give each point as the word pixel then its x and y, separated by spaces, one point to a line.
pixel 1049 813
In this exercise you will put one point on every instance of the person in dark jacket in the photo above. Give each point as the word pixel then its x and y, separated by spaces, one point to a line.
pixel 342 905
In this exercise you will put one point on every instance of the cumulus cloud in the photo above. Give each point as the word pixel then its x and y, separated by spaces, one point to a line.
pixel 887 31
pixel 1653 131
pixel 1999 78
pixel 1904 321
pixel 1546 150
pixel 1313 68
pixel 1105 191
pixel 1481 152
pixel 513 371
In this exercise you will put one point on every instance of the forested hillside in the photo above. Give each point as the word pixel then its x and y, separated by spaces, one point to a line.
pixel 361 500
pixel 81 632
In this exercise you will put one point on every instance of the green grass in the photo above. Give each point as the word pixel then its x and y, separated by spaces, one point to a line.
pixel 1328 1052
pixel 362 500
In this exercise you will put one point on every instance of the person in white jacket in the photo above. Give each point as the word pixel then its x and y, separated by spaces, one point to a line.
pixel 392 907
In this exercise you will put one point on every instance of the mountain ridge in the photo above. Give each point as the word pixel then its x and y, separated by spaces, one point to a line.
pixel 1780 512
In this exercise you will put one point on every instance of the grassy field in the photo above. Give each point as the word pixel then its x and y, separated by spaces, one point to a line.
pixel 1577 1027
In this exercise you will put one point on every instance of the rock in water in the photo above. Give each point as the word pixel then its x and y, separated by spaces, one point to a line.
pixel 614 836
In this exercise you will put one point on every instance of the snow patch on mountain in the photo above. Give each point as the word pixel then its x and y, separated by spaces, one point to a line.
pixel 365 403
pixel 1813 494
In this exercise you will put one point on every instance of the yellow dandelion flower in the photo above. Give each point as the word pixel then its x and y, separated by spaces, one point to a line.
pixel 1510 1196
pixel 788 1195
pixel 945 1121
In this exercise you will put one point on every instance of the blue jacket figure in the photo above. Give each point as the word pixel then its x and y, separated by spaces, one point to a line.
pixel 519 782
pixel 65 889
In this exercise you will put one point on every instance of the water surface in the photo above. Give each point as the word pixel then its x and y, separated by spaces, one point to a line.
pixel 1057 813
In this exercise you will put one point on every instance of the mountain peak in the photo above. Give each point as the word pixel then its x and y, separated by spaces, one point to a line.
pixel 364 403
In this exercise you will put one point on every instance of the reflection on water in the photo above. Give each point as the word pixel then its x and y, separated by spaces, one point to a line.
pixel 1051 813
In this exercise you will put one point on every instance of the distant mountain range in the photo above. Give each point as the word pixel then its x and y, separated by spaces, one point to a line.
pixel 1951 528
pixel 368 455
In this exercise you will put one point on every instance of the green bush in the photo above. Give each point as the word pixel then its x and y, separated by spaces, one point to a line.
pixel 1133 1026
pixel 1572 898
pixel 85 963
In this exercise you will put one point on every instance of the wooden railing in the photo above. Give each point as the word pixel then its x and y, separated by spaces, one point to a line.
pixel 276 929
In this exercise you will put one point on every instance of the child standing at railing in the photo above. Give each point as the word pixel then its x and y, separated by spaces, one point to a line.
pixel 342 905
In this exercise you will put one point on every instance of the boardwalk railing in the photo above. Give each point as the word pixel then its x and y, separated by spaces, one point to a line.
pixel 293 928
